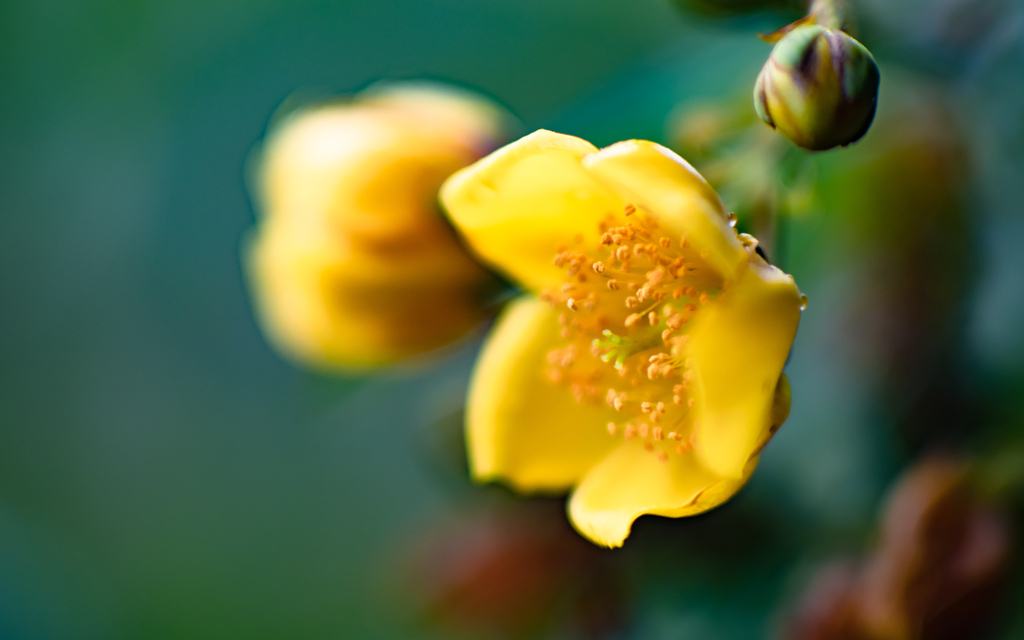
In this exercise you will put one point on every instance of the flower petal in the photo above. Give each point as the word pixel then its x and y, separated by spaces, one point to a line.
pixel 631 482
pixel 649 175
pixel 739 345
pixel 358 171
pixel 330 303
pixel 523 203
pixel 520 427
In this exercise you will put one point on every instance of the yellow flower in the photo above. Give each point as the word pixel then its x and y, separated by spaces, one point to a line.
pixel 352 263
pixel 646 374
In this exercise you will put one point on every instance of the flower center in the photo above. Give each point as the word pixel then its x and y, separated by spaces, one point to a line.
pixel 628 305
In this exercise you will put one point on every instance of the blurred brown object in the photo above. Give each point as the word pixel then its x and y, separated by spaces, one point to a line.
pixel 724 8
pixel 516 573
pixel 936 573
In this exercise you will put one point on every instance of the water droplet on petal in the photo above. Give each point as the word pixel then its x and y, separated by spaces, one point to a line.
pixel 803 302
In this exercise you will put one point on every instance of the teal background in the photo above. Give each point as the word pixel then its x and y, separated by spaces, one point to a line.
pixel 164 474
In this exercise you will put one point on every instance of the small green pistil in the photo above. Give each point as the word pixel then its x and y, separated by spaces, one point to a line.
pixel 619 348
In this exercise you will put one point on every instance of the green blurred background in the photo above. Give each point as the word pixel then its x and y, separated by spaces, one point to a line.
pixel 163 474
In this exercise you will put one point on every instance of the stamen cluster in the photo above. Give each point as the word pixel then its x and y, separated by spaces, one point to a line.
pixel 628 303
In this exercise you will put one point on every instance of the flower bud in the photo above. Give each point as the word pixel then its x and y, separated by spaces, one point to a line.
pixel 352 265
pixel 819 88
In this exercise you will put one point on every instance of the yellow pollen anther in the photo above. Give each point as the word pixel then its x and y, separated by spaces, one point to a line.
pixel 629 210
pixel 644 263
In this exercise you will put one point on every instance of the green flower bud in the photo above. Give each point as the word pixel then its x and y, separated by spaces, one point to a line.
pixel 819 88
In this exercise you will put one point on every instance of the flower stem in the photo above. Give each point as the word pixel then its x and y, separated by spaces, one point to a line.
pixel 828 13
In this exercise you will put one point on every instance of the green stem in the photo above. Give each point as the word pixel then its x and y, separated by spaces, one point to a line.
pixel 764 220
pixel 829 13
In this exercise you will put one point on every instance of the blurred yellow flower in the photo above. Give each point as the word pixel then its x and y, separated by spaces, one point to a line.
pixel 646 374
pixel 352 264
